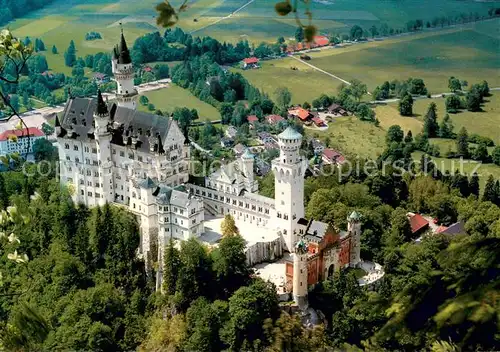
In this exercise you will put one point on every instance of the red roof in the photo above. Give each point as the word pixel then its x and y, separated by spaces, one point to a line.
pixel 417 223
pixel 148 69
pixel 331 154
pixel 321 40
pixel 251 60
pixel 318 121
pixel 252 119
pixel 274 118
pixel 32 131
pixel 441 229
pixel 301 113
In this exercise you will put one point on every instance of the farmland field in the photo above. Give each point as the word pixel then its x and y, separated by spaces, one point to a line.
pixel 167 99
pixel 435 56
pixel 305 83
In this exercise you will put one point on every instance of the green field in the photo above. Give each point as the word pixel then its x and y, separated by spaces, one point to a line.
pixel 258 21
pixel 434 56
pixel 167 99
pixel 353 137
pixel 305 83
pixel 485 123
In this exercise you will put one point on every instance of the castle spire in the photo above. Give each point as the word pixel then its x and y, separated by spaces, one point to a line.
pixel 102 108
pixel 124 54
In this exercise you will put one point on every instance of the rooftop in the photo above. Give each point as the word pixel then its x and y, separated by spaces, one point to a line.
pixel 32 132
pixel 251 60
pixel 289 134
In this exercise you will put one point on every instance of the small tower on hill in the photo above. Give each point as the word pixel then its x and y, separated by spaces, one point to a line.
pixel 103 138
pixel 354 228
pixel 247 161
pixel 300 274
pixel 126 94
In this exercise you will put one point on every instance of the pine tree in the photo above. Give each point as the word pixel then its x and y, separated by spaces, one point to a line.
pixel 54 50
pixel 431 127
pixel 497 192
pixel 463 143
pixel 490 191
pixel 446 127
pixel 70 55
pixel 406 105
pixel 409 137
pixel 474 184
pixel 171 265
pixel 460 182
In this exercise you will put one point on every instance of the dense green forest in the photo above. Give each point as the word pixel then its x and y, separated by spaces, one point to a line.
pixel 83 288
pixel 10 9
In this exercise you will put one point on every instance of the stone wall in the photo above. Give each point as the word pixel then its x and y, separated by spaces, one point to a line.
pixel 268 251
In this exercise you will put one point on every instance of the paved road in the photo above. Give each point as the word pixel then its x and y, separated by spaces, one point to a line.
pixel 433 96
pixel 320 70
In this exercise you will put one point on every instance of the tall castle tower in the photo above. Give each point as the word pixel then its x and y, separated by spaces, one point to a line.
pixel 354 228
pixel 103 138
pixel 126 94
pixel 289 169
pixel 300 274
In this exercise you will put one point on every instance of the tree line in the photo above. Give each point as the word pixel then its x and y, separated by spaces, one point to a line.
pixel 12 9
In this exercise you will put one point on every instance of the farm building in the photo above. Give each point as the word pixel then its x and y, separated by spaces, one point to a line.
pixel 274 119
pixel 300 113
pixel 250 62
pixel 331 156
pixel 337 110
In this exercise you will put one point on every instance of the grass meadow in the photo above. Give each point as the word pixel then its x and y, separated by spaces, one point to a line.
pixel 467 53
pixel 305 83
pixel 167 99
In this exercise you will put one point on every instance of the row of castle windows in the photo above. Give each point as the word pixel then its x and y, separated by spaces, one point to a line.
pixel 89 194
pixel 233 201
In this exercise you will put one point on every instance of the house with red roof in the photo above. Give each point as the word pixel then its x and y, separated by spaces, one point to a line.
pixel 331 156
pixel 19 141
pixel 274 119
pixel 252 119
pixel 318 122
pixel 321 40
pixel 418 223
pixel 300 113
pixel 250 62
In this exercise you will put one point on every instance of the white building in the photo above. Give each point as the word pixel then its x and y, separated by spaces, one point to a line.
pixel 22 143
pixel 111 153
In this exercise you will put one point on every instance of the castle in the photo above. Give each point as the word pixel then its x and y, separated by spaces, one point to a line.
pixel 112 153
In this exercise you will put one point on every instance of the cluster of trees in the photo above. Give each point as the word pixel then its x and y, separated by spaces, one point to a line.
pixel 39 45
pixel 349 97
pixel 472 100
pixel 223 89
pixel 176 45
pixel 356 32
pixel 397 89
pixel 92 36
pixel 12 9
pixel 83 287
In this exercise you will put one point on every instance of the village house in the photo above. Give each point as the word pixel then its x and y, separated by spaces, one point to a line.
pixel 274 119
pixel 271 145
pixel 262 168
pixel 231 132
pixel 250 62
pixel 318 121
pixel 251 119
pixel 239 149
pixel 418 223
pixel 457 228
pixel 337 110
pixel 331 156
pixel 101 78
pixel 18 141
pixel 318 42
pixel 265 137
pixel 300 113
pixel 317 146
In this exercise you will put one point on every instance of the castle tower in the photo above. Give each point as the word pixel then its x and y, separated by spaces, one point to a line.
pixel 289 169
pixel 247 160
pixel 103 138
pixel 354 228
pixel 121 63
pixel 300 274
